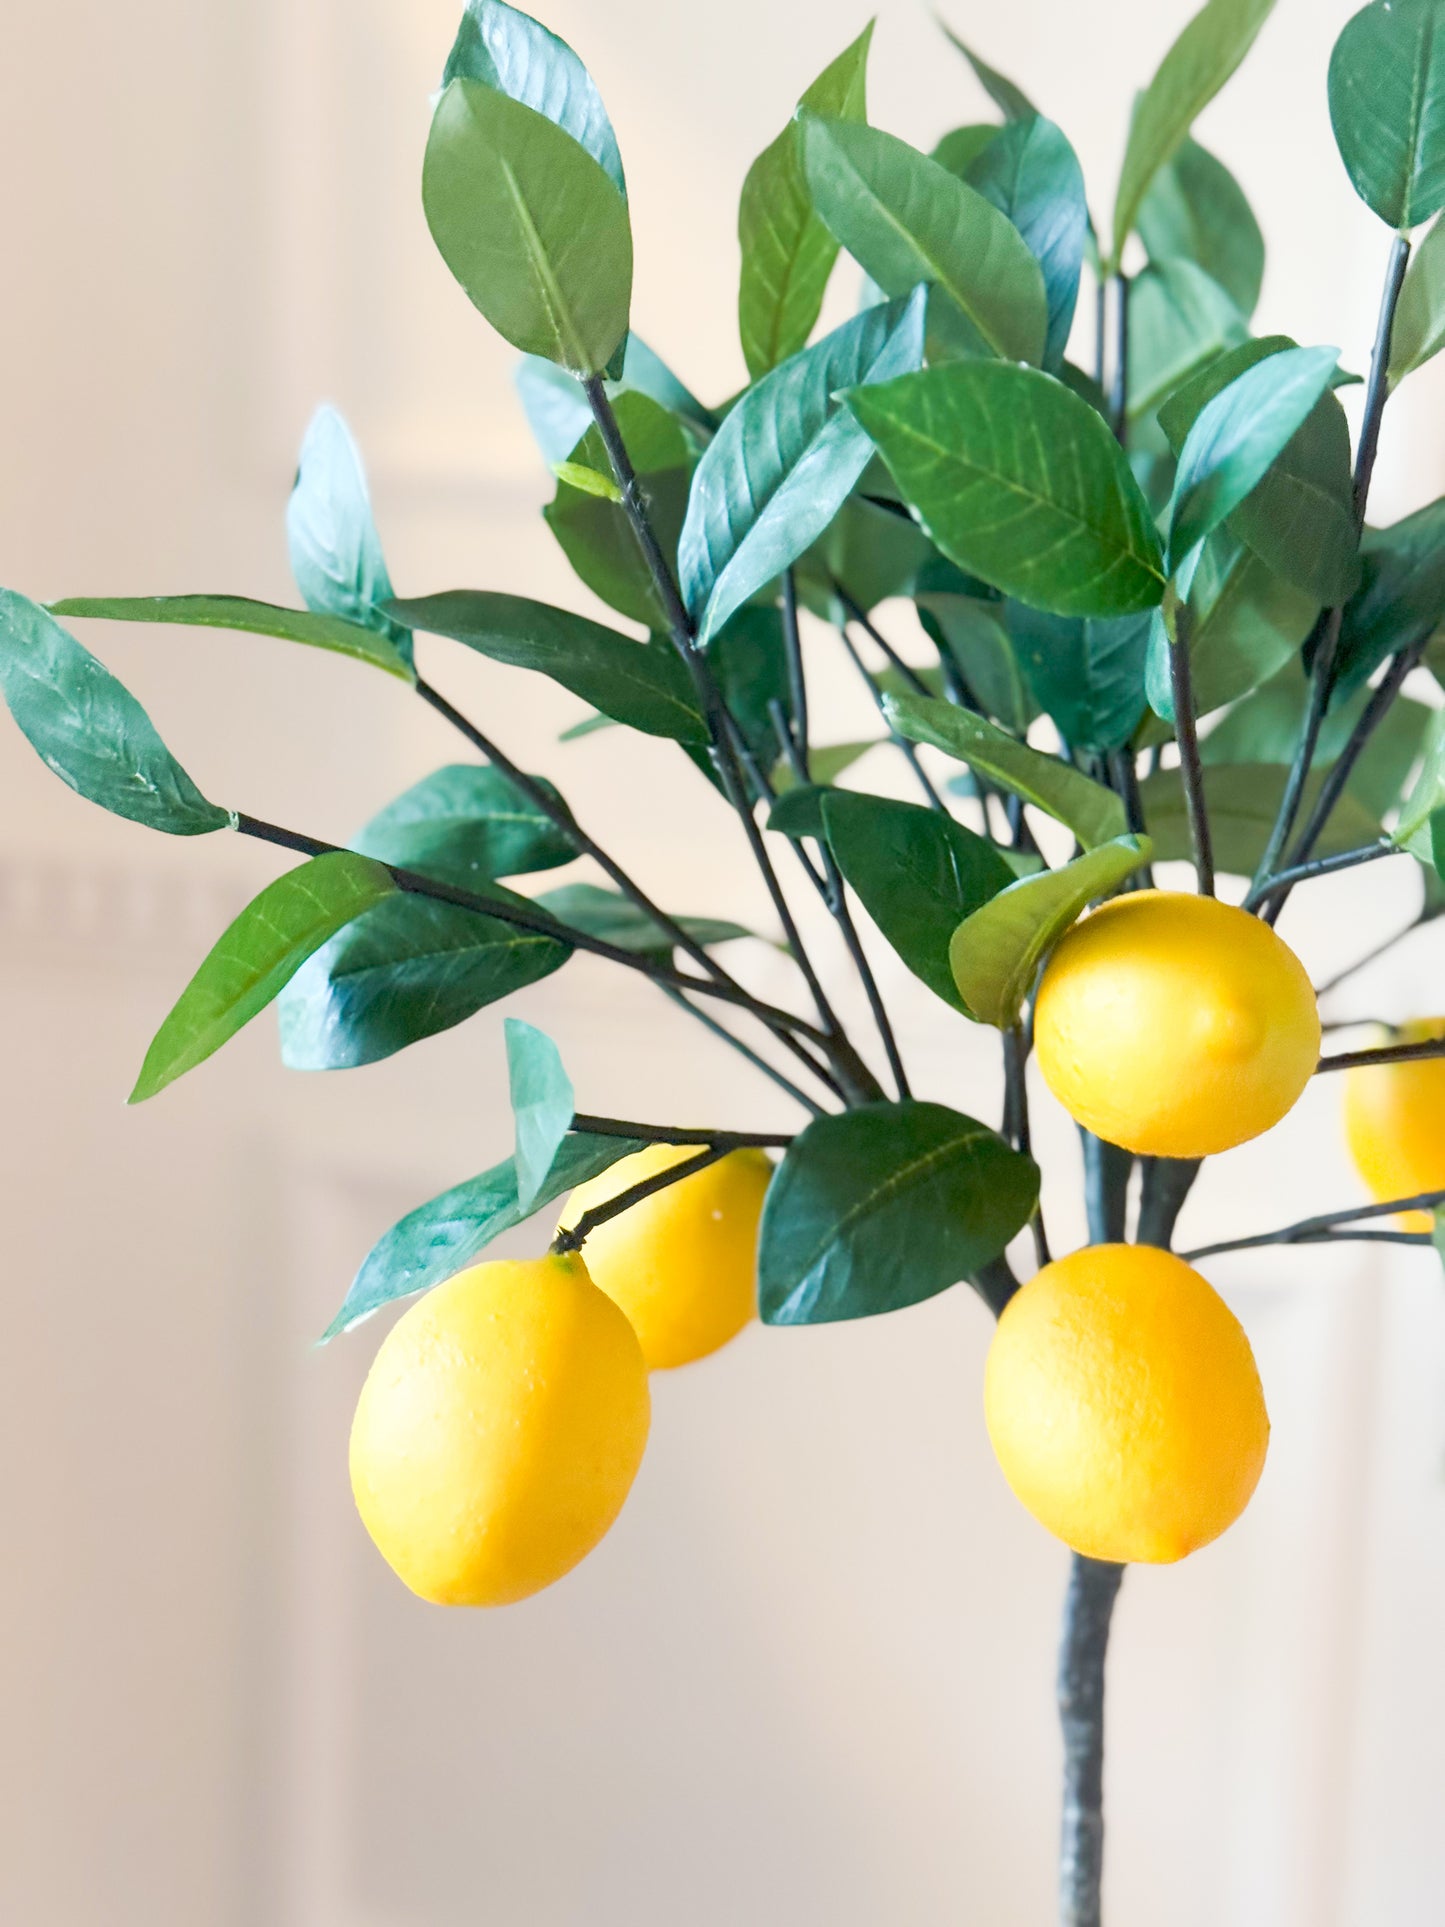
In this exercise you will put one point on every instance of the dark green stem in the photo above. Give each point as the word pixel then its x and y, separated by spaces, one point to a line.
pixel 669 1134
pixel 1319 866
pixel 1167 1183
pixel 1088 1614
pixel 1354 1060
pixel 577 1235
pixel 935 801
pixel 1186 734
pixel 1107 1171
pixel 1312 1230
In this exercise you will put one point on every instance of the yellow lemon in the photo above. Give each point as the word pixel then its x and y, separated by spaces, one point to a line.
pixel 1175 1026
pixel 1124 1405
pixel 499 1431
pixel 1395 1124
pixel 683 1264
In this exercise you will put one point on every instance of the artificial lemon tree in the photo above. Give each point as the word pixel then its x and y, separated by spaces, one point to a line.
pixel 1110 616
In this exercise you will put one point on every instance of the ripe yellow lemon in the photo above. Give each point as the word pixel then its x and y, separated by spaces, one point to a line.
pixel 1395 1124
pixel 1175 1026
pixel 499 1431
pixel 1124 1405
pixel 683 1264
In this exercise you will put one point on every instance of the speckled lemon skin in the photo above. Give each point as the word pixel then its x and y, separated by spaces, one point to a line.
pixel 683 1265
pixel 1395 1124
pixel 1175 1026
pixel 1124 1405
pixel 499 1431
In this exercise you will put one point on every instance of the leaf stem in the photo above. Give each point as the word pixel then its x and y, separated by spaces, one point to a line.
pixel 669 1134
pixel 1312 1230
pixel 577 1235
pixel 1186 734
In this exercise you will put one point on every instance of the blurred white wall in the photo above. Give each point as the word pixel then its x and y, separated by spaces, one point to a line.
pixel 809 1676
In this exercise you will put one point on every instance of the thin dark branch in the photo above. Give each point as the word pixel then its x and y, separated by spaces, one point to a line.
pixel 797 681
pixel 1329 1224
pixel 576 1236
pixel 1378 391
pixel 856 613
pixel 669 1134
pixel 1353 1060
pixel 1119 394
pixel 1088 1613
pixel 1186 734
pixel 1016 1120
pixel 755 1058
pixel 900 742
pixel 1320 866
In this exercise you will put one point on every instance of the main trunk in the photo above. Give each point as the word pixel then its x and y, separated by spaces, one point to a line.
pixel 1088 1610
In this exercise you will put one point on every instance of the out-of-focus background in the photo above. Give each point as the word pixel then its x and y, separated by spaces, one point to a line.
pixel 808 1677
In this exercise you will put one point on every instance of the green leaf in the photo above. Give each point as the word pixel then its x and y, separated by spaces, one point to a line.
pixel 785 460
pixel 1243 801
pixel 905 220
pixel 642 684
pixel 1197 211
pixel 1031 174
pixel 995 955
pixel 502 48
pixel 443 1237
pixel 799 811
pixel 1196 67
pixel 588 480
pixel 558 413
pixel 788 254
pixel 883 1207
pixel 1021 483
pixel 531 226
pixel 258 618
pixel 1093 813
pixel 1179 321
pixel 1239 435
pixel 90 730
pixel 1427 794
pixel 1401 598
pixel 1300 520
pixel 961 147
pixel 606 913
pixel 827 762
pixel 1012 102
pixel 335 550
pixel 543 1102
pixel 259 954
pixel 1087 671
pixel 966 622
pixel 1419 332
pixel 749 661
pixel 870 551
pixel 1246 623
pixel 917 873
pixel 466 825
pixel 1387 103
pixel 405 970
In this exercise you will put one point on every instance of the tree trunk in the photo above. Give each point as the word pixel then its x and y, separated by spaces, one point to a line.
pixel 1088 1610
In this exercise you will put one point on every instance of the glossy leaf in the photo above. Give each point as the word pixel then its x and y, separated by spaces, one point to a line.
pixel 531 226
pixel 995 955
pixel 871 552
pixel 1245 624
pixel 785 460
pixel 543 1102
pixel 883 1207
pixel 1087 671
pixel 1243 801
pixel 1419 332
pixel 1012 102
pixel 1300 519
pixel 1031 174
pixel 606 913
pixel 1020 483
pixel 1401 599
pixel 1197 211
pixel 787 252
pixel 502 48
pixel 1179 321
pixel 90 730
pixel 335 550
pixel 466 825
pixel 1387 103
pixel 1196 67
pixel 905 220
pixel 441 1238
pixel 917 873
pixel 406 970
pixel 642 684
pixel 258 954
pixel 1093 813
pixel 1238 436
pixel 749 662
pixel 258 618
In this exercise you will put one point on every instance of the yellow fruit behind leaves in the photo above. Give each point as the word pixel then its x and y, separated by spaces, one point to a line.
pixel 1124 1405
pixel 499 1431
pixel 1395 1124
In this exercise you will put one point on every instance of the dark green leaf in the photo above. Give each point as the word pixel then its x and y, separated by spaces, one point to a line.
pixel 1030 173
pixel 1179 321
pixel 439 1239
pixel 1419 332
pixel 905 220
pixel 531 226
pixel 260 953
pixel 1012 102
pixel 90 730
pixel 799 811
pixel 335 550
pixel 1196 211
pixel 1387 102
pixel 466 825
pixel 960 148
pixel 749 660
pixel 1087 671
pixel 1401 598
pixel 502 48
pixel 1196 67
pixel 788 254
pixel 642 684
pixel 1093 813
pixel 995 955
pixel 883 1207
pixel 258 618
pixel 1246 622
pixel 406 970
pixel 542 1105
pixel 605 913
pixel 967 623
pixel 870 552
pixel 917 873
pixel 1243 801
pixel 1021 483
pixel 785 460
